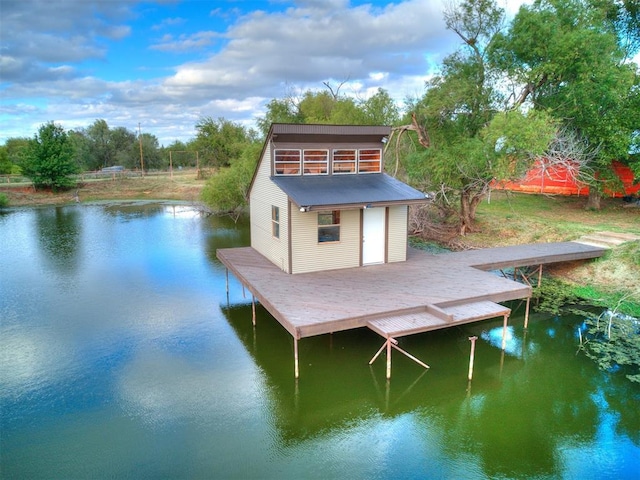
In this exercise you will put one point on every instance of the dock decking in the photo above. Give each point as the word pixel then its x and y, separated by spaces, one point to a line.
pixel 426 292
pixel 315 303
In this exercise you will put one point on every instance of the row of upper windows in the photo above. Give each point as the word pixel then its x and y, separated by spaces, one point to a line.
pixel 316 162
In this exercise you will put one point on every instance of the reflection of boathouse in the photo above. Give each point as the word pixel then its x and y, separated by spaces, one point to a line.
pixel 329 245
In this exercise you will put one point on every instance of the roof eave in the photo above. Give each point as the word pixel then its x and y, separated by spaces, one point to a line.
pixel 350 206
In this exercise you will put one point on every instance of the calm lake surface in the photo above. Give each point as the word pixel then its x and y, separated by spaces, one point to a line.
pixel 121 356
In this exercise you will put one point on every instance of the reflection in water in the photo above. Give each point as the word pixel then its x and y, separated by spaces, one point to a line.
pixel 58 230
pixel 513 422
pixel 133 210
pixel 122 355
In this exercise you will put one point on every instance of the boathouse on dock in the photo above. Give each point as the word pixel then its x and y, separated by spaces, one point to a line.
pixel 329 247
pixel 320 200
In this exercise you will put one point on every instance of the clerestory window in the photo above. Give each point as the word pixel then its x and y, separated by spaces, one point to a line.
pixel 370 160
pixel 287 162
pixel 344 161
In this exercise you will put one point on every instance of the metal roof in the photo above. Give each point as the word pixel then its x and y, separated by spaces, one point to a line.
pixel 318 192
pixel 321 129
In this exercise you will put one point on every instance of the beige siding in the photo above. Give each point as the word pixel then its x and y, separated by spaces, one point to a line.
pixel 397 244
pixel 311 256
pixel 265 194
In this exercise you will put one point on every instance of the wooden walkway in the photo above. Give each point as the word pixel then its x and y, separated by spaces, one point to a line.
pixel 426 292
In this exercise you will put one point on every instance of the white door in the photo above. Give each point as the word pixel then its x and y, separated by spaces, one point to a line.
pixel 373 235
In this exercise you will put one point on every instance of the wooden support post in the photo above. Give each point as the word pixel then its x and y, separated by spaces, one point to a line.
pixel 472 356
pixel 526 313
pixel 253 310
pixel 296 370
pixel 388 358
pixel 378 353
pixel 540 276
pixel 393 343
pixel 504 332
pixel 419 362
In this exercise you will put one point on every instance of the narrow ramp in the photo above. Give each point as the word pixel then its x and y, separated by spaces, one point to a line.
pixel 607 239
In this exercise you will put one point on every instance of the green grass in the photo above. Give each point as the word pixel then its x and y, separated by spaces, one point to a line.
pixel 612 281
pixel 508 218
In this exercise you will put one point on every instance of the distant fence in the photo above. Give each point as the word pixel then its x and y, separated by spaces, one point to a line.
pixel 14 179
pixel 107 175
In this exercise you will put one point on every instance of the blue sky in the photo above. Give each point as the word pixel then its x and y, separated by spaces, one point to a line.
pixel 166 64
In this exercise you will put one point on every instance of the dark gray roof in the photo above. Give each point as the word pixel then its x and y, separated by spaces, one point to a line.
pixel 315 129
pixel 322 191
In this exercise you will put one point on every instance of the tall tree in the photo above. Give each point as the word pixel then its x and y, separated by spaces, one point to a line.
pixel 220 141
pixel 101 148
pixel 226 192
pixel 331 107
pixel 570 58
pixel 6 166
pixel 379 109
pixel 465 147
pixel 49 159
pixel 17 148
pixel 124 148
pixel 152 159
pixel 283 110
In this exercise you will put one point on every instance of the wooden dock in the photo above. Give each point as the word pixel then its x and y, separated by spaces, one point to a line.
pixel 426 292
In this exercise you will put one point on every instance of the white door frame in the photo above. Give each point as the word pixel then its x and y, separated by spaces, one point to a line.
pixel 374 239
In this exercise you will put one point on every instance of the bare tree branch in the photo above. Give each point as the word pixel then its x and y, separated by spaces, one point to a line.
pixel 335 94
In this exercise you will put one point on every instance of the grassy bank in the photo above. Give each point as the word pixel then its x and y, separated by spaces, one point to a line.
pixel 613 280
pixel 181 185
pixel 505 219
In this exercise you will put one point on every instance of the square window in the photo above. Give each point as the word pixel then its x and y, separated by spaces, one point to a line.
pixel 329 226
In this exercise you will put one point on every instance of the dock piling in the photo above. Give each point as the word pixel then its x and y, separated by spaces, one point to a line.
pixel 504 332
pixel 472 356
pixel 253 310
pixel 296 369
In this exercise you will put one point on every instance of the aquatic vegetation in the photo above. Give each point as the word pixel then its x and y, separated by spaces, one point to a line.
pixel 612 340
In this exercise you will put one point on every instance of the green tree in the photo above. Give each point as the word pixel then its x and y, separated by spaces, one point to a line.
pixel 124 148
pixel 380 109
pixel 5 164
pixel 279 111
pixel 226 192
pixel 101 147
pixel 81 148
pixel 467 145
pixel 570 58
pixel 179 154
pixel 330 107
pixel 220 141
pixel 50 159
pixel 16 150
pixel 151 154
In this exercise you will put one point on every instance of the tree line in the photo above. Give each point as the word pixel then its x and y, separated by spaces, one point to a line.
pixel 555 82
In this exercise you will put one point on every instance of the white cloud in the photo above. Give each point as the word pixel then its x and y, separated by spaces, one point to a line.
pixel 185 43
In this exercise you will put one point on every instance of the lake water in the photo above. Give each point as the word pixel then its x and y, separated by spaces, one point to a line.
pixel 122 356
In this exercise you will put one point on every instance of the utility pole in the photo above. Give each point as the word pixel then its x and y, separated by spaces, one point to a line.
pixel 140 142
